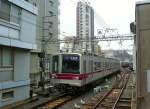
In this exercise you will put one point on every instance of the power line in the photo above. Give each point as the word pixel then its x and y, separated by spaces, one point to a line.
pixel 97 38
pixel 100 20
pixel 38 25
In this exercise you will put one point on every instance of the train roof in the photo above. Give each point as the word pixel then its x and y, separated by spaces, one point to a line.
pixel 101 56
pixel 67 53
pixel 143 2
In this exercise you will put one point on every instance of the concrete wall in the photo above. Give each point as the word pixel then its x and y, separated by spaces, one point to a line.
pixel 143 54
pixel 20 28
pixel 44 28
pixel 34 68
pixel 48 29
pixel 17 38
pixel 28 27
pixel 16 80
pixel 20 93
pixel 21 65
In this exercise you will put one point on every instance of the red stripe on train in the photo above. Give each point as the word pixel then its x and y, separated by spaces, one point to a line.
pixel 71 76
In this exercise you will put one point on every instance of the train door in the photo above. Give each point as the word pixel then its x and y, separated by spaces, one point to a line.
pixel 55 64
pixel 103 66
pixel 84 68
pixel 84 64
pixel 91 66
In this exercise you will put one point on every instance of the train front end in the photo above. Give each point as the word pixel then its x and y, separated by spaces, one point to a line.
pixel 66 70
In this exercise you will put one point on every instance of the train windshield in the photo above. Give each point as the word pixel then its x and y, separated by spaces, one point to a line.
pixel 70 64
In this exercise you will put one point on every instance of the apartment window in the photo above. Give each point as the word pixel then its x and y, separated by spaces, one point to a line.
pixel 8 12
pixel 50 24
pixel 6 57
pixel 51 3
pixel 5 10
pixel 51 13
pixel 87 9
pixel 34 4
pixel 7 95
pixel 15 14
pixel 87 16
pixel 6 64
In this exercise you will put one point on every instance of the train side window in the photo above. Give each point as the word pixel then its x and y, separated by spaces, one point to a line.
pixel 95 66
pixel 91 66
pixel 55 68
pixel 84 66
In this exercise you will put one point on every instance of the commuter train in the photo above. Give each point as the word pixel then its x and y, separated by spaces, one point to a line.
pixel 74 70
pixel 127 65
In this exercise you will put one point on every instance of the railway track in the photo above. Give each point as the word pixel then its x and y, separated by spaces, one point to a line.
pixel 106 100
pixel 57 103
pixel 110 99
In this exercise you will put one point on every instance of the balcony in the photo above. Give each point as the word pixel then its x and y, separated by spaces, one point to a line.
pixel 11 16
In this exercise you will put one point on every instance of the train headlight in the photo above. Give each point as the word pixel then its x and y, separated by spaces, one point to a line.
pixel 53 77
pixel 76 77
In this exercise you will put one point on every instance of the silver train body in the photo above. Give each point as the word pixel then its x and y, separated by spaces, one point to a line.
pixel 78 70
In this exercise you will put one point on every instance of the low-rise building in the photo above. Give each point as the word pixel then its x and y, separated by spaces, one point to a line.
pixel 17 38
pixel 47 33
pixel 142 42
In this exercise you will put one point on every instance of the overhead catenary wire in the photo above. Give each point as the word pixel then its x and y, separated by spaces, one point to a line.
pixel 58 41
pixel 30 22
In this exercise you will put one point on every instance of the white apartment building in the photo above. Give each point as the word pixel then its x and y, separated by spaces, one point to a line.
pixel 85 25
pixel 47 32
pixel 17 38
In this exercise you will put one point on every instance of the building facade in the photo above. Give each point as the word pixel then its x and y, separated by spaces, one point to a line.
pixel 17 38
pixel 85 26
pixel 143 54
pixel 47 32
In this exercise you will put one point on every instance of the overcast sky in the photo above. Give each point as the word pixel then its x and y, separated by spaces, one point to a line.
pixel 116 14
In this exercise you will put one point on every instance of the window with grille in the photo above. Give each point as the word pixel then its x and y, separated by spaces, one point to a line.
pixel 9 12
pixel 5 10
pixel 7 95
pixel 51 3
pixel 6 64
pixel 51 13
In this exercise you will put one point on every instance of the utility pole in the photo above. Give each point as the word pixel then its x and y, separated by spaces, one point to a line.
pixel 43 54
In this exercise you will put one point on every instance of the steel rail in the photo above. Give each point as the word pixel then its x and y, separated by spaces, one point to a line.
pixel 57 102
pixel 109 92
pixel 51 100
pixel 60 101
pixel 101 100
pixel 121 92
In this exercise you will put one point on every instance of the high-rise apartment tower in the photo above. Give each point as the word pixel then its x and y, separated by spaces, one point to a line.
pixel 85 26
